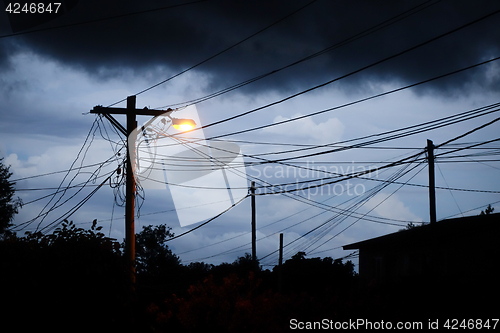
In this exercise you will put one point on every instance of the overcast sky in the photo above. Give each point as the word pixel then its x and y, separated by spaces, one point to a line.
pixel 97 54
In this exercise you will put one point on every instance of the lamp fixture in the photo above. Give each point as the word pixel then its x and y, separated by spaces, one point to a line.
pixel 183 124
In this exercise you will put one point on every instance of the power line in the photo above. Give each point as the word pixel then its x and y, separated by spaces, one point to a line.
pixel 356 206
pixel 339 212
pixel 100 19
pixel 411 130
pixel 329 109
pixel 399 162
pixel 68 214
pixel 57 172
pixel 462 115
pixel 325 208
pixel 45 214
pixel 451 193
pixel 474 161
pixel 459 118
pixel 433 125
pixel 352 73
pixel 466 211
pixel 221 52
pixel 471 114
pixel 62 190
pixel 91 132
pixel 415 129
pixel 470 132
pixel 206 222
pixel 55 188
pixel 373 208
pixel 375 191
pixel 346 41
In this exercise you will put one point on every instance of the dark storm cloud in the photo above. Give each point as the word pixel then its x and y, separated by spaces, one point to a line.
pixel 180 37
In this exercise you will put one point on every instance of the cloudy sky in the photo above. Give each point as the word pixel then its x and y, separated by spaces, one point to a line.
pixel 318 61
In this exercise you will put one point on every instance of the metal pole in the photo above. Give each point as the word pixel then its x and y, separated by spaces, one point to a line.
pixel 130 191
pixel 432 185
pixel 252 191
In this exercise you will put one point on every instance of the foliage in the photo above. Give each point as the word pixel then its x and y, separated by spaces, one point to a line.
pixel 69 235
pixel 68 275
pixel 299 256
pixel 8 204
pixel 77 276
pixel 488 210
pixel 153 255
pixel 316 275
pixel 411 226
pixel 241 267
pixel 241 304
pixel 234 304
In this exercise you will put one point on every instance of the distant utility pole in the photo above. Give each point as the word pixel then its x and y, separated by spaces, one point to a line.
pixel 280 266
pixel 252 193
pixel 131 113
pixel 432 184
pixel 281 250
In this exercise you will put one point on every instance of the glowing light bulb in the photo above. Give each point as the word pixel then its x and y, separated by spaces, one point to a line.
pixel 183 124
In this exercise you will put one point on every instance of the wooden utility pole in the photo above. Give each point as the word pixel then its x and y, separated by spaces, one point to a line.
pixel 130 191
pixel 432 184
pixel 252 193
pixel 280 266
pixel 131 112
pixel 281 250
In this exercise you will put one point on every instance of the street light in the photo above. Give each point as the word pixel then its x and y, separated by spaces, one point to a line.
pixel 183 124
pixel 131 132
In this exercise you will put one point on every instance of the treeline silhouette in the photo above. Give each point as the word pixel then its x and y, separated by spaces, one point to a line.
pixel 74 280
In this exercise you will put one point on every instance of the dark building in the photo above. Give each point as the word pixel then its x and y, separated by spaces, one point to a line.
pixel 462 247
pixel 457 259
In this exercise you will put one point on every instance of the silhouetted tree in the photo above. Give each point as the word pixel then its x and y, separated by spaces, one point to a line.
pixel 8 204
pixel 71 276
pixel 488 210
pixel 317 276
pixel 299 256
pixel 159 270
pixel 200 266
pixel 234 298
pixel 198 271
pixel 242 266
pixel 412 225
pixel 153 255
pixel 246 264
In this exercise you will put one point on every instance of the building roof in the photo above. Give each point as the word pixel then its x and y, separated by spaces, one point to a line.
pixel 475 229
